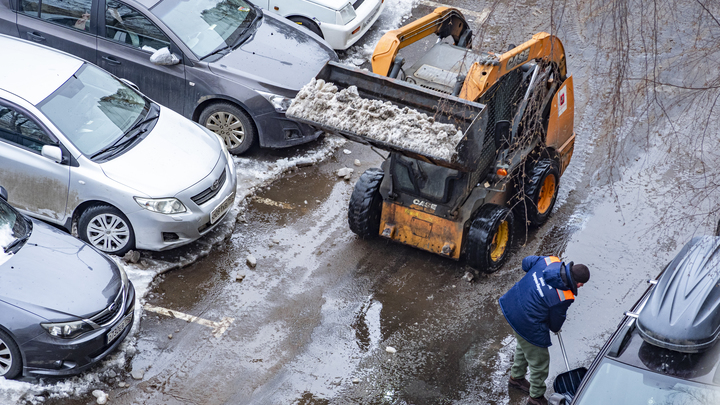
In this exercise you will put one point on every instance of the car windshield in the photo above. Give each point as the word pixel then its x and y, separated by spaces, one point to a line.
pixel 93 109
pixel 206 25
pixel 12 225
pixel 616 383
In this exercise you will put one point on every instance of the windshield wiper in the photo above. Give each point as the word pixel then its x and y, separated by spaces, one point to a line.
pixel 127 137
pixel 242 38
pixel 224 48
pixel 16 242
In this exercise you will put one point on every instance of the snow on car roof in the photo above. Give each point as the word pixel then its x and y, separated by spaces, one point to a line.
pixel 33 71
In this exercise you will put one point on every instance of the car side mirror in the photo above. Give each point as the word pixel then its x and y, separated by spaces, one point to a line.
pixel 164 57
pixel 3 193
pixel 52 152
pixel 502 135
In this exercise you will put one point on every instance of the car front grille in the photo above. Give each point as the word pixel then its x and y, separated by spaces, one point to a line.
pixel 108 314
pixel 210 192
pixel 358 3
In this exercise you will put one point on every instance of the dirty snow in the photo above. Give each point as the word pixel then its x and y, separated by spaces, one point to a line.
pixel 252 174
pixel 321 102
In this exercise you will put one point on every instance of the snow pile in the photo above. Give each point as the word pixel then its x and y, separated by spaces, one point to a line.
pixel 321 102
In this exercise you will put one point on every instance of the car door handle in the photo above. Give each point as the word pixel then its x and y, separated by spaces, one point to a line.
pixel 35 37
pixel 111 60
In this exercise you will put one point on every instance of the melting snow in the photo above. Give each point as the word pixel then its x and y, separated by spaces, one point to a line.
pixel 252 174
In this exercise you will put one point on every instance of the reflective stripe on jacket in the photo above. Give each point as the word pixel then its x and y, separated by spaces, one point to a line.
pixel 538 303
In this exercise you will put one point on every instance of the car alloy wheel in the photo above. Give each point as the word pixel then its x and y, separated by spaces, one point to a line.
pixel 232 124
pixel 107 229
pixel 10 366
pixel 228 126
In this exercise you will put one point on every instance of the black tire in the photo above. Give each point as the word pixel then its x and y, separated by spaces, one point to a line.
pixel 233 125
pixel 539 192
pixel 308 24
pixel 489 238
pixel 96 220
pixel 366 204
pixel 10 359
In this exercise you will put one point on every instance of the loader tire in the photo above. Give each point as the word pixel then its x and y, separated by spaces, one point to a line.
pixel 366 204
pixel 540 191
pixel 489 238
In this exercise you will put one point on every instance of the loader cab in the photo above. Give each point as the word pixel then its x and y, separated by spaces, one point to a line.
pixel 424 186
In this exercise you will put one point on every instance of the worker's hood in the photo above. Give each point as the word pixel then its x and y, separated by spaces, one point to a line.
pixel 278 55
pixel 557 275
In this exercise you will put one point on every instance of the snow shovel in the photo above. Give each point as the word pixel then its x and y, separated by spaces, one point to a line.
pixel 568 382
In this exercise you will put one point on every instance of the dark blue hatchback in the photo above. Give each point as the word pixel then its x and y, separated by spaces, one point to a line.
pixel 63 304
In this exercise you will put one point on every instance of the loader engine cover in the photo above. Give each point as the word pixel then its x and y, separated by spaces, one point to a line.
pixel 683 311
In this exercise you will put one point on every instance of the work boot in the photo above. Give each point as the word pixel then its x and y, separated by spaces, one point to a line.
pixel 537 401
pixel 520 383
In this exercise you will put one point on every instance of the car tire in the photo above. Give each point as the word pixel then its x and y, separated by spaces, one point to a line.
pixel 307 24
pixel 539 193
pixel 232 124
pixel 10 359
pixel 365 207
pixel 489 238
pixel 107 229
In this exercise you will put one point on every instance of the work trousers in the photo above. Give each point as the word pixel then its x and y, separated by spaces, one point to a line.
pixel 538 358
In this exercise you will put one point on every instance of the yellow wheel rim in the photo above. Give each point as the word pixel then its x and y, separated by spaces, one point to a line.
pixel 500 241
pixel 547 192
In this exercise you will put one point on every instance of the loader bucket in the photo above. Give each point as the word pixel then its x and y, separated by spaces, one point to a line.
pixel 568 382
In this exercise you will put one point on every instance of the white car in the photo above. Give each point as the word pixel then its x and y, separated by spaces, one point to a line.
pixel 78 146
pixel 339 22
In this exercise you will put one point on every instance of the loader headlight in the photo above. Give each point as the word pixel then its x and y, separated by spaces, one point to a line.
pixel 161 205
pixel 347 14
pixel 280 103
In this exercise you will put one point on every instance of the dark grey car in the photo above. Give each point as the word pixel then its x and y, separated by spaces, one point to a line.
pixel 227 65
pixel 64 305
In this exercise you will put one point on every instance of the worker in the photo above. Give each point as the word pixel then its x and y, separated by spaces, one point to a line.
pixel 534 306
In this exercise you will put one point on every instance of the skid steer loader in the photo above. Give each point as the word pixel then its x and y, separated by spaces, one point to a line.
pixel 516 113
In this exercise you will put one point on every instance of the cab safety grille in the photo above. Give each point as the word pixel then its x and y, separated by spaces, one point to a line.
pixel 210 192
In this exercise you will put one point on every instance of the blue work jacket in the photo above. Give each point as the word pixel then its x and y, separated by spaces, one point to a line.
pixel 538 303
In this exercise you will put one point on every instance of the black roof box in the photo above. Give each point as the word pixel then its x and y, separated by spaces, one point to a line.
pixel 683 311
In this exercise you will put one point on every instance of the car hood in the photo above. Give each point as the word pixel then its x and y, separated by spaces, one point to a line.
pixel 176 154
pixel 55 274
pixel 277 55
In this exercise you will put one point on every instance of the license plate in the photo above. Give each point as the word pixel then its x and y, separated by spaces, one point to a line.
pixel 372 15
pixel 218 212
pixel 119 328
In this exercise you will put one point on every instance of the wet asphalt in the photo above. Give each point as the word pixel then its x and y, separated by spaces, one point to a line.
pixel 317 319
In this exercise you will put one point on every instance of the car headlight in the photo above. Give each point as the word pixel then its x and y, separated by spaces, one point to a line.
pixel 67 330
pixel 281 103
pixel 161 205
pixel 347 14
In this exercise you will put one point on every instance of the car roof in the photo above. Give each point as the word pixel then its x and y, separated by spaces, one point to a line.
pixel 32 71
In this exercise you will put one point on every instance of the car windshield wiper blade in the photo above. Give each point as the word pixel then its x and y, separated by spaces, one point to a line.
pixel 243 36
pixel 16 242
pixel 126 138
pixel 223 48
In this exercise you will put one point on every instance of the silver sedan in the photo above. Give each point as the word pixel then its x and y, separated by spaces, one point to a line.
pixel 80 147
